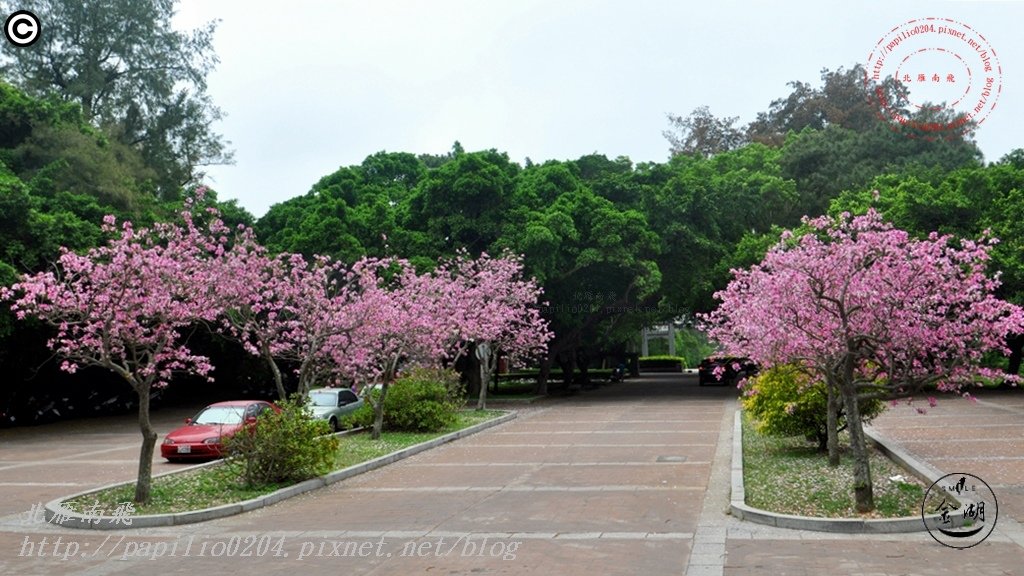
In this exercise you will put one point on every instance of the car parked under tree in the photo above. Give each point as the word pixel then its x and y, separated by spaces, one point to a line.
pixel 333 404
pixel 202 437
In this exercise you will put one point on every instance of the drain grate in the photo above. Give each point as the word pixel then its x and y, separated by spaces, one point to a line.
pixel 671 459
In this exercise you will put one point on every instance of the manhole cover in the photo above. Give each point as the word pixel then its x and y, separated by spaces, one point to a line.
pixel 671 458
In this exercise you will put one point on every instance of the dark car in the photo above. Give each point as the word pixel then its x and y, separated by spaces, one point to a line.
pixel 725 370
pixel 201 438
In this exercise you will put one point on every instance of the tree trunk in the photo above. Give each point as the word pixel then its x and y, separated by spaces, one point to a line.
pixel 144 482
pixel 278 380
pixel 542 378
pixel 485 380
pixel 378 412
pixel 486 373
pixel 567 362
pixel 1015 342
pixel 863 493
pixel 832 425
pixel 582 362
pixel 473 383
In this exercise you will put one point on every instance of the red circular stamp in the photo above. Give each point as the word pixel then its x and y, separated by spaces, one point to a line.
pixel 933 77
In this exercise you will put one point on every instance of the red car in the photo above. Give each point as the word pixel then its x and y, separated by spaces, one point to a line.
pixel 200 437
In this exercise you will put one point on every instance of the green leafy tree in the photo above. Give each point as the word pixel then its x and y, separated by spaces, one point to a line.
pixel 132 74
pixel 843 100
pixel 352 212
pixel 595 260
pixel 50 146
pixel 824 163
pixel 703 208
pixel 462 203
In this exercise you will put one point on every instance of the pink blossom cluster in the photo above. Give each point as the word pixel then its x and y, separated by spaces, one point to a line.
pixel 359 323
pixel 124 306
pixel 127 305
pixel 901 313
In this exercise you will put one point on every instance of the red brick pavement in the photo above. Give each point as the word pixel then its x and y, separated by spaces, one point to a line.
pixel 574 486
pixel 983 437
pixel 628 479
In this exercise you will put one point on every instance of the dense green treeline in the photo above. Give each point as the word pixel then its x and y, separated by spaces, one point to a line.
pixel 615 244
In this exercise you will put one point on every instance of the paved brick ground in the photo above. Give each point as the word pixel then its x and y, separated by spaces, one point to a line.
pixel 983 437
pixel 40 463
pixel 607 482
pixel 629 479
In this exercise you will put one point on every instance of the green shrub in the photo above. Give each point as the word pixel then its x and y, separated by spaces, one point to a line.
pixel 787 402
pixel 662 363
pixel 663 358
pixel 289 446
pixel 422 400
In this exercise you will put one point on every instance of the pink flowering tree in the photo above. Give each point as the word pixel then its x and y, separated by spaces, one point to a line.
pixel 289 309
pixel 492 307
pixel 399 321
pixel 256 301
pixel 127 307
pixel 406 318
pixel 870 311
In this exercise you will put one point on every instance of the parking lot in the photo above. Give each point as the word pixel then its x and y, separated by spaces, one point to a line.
pixel 39 463
pixel 632 478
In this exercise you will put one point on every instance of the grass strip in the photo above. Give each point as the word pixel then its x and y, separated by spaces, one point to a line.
pixel 217 485
pixel 790 476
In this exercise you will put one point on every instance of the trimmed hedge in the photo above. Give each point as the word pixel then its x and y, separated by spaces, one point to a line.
pixel 662 363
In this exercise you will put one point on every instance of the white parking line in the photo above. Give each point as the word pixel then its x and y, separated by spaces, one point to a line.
pixel 41 484
pixel 65 459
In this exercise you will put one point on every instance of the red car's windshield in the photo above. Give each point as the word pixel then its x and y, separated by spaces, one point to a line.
pixel 220 415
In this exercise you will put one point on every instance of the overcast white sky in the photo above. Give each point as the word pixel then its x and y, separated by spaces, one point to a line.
pixel 311 86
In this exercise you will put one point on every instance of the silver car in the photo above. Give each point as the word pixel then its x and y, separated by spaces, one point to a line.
pixel 333 404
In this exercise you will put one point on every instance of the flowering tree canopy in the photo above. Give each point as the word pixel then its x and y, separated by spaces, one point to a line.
pixel 288 308
pixel 428 318
pixel 125 306
pixel 492 304
pixel 869 310
pixel 907 313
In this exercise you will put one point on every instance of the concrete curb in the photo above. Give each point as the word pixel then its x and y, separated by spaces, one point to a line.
pixel 529 400
pixel 55 508
pixel 924 471
pixel 740 510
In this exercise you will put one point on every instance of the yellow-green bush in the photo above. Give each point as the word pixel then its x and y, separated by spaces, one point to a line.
pixel 786 402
